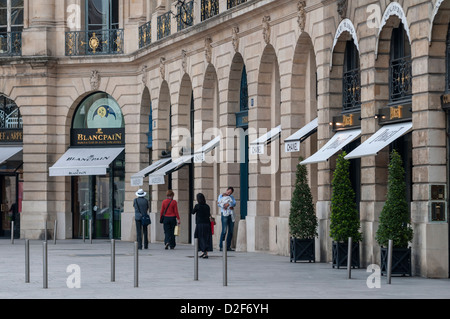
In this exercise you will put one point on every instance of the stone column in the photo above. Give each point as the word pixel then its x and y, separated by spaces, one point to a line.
pixel 430 243
pixel 39 38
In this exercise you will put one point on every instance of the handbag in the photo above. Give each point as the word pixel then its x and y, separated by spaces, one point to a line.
pixel 176 231
pixel 161 219
pixel 213 223
pixel 145 218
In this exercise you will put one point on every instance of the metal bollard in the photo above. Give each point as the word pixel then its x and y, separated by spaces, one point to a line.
pixel 45 265
pixel 196 260
pixel 225 270
pixel 83 231
pixel 90 230
pixel 27 260
pixel 389 262
pixel 136 265
pixel 113 260
pixel 12 232
pixel 349 258
pixel 54 233
pixel 45 233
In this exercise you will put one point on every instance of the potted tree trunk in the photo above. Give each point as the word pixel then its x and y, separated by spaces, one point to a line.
pixel 302 219
pixel 344 220
pixel 395 221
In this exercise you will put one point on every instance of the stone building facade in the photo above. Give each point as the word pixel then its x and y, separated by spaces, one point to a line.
pixel 234 69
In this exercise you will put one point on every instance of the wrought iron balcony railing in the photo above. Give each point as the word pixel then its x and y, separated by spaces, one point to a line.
pixel 351 91
pixel 145 34
pixel 10 43
pixel 163 25
pixel 98 42
pixel 400 80
pixel 185 15
pixel 209 8
pixel 233 3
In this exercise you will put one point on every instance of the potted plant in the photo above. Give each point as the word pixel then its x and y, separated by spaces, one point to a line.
pixel 395 221
pixel 344 219
pixel 302 218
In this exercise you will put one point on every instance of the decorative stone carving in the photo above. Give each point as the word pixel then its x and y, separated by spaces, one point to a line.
pixel 235 38
pixel 301 19
pixel 266 29
pixel 144 75
pixel 95 80
pixel 162 67
pixel 208 49
pixel 342 8
pixel 184 60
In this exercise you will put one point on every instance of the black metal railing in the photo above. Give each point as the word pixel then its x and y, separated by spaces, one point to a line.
pixel 163 25
pixel 10 43
pixel 98 42
pixel 145 34
pixel 400 79
pixel 209 8
pixel 233 3
pixel 185 15
pixel 351 91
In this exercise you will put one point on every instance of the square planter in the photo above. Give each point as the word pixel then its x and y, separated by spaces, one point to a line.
pixel 303 250
pixel 401 261
pixel 340 252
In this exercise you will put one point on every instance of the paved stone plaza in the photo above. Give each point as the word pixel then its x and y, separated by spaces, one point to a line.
pixel 169 274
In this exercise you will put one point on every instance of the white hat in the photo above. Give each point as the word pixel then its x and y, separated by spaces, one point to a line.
pixel 141 193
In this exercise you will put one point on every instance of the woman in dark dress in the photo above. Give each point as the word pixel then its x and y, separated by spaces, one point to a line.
pixel 203 225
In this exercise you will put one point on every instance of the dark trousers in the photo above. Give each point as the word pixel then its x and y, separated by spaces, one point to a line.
pixel 139 230
pixel 227 223
pixel 169 227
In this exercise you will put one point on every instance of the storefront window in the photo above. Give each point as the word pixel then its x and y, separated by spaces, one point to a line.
pixel 9 114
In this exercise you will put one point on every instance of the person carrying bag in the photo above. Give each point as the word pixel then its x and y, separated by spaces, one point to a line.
pixel 140 205
pixel 169 218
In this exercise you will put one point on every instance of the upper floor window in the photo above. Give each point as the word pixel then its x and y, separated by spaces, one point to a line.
pixel 351 91
pixel 400 72
pixel 11 15
pixel 102 14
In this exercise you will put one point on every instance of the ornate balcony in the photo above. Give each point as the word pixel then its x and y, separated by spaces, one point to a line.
pixel 98 42
pixel 351 91
pixel 163 25
pixel 145 34
pixel 209 8
pixel 233 3
pixel 400 80
pixel 185 15
pixel 10 43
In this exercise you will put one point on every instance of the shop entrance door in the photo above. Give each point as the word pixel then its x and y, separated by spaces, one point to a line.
pixel 9 205
pixel 99 199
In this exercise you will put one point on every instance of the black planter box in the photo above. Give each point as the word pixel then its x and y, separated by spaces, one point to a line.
pixel 401 261
pixel 303 250
pixel 340 252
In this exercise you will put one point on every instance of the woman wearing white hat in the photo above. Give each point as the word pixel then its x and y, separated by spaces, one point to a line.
pixel 140 205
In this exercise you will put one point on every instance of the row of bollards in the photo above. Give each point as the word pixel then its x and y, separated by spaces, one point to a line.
pixel 113 261
pixel 389 260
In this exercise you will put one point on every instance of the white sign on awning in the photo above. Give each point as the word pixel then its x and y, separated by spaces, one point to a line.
pixel 85 161
pixel 257 147
pixel 292 143
pixel 157 177
pixel 336 143
pixel 138 178
pixel 7 152
pixel 199 155
pixel 382 138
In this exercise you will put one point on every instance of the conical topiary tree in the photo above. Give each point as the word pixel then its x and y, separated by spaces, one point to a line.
pixel 302 218
pixel 394 217
pixel 344 220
